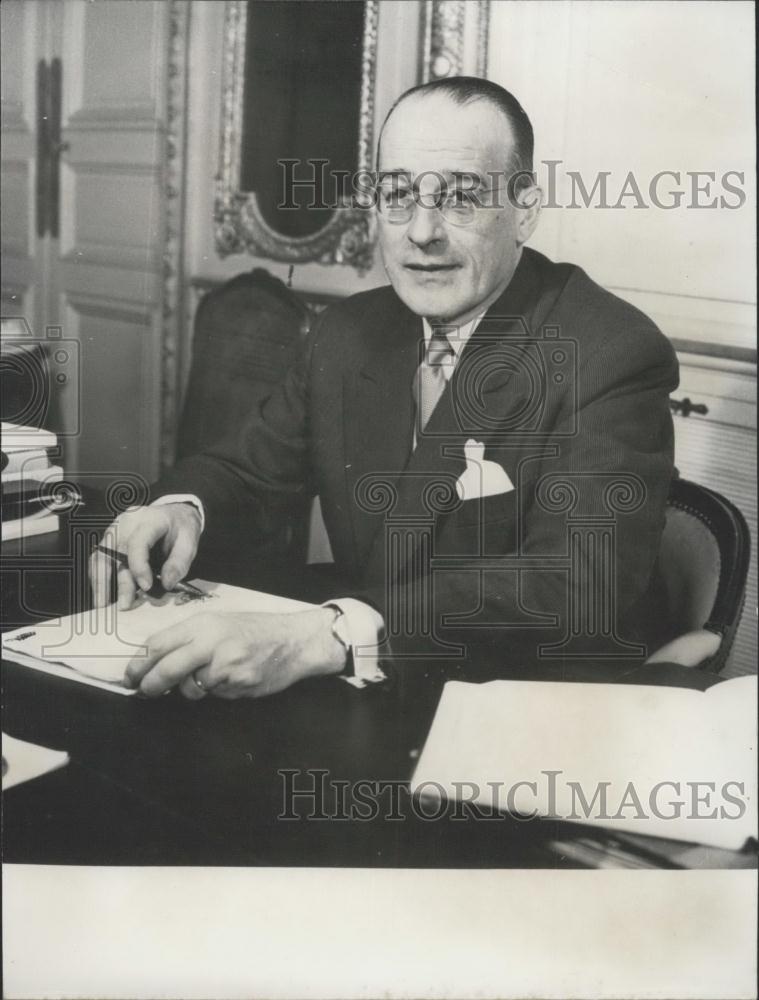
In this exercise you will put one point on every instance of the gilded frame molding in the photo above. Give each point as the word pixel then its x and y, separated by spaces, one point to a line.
pixel 239 227
pixel 445 27
pixel 173 323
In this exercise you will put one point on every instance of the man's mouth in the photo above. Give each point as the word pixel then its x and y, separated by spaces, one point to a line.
pixel 430 268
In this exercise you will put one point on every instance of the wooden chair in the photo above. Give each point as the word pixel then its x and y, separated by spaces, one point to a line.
pixel 704 560
pixel 246 335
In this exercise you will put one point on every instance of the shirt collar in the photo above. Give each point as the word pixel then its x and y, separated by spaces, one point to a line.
pixel 518 299
pixel 457 336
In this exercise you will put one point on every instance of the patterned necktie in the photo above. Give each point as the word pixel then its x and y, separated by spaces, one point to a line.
pixel 429 380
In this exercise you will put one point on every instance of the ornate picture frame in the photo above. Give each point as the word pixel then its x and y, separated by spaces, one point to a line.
pixel 447 27
pixel 239 226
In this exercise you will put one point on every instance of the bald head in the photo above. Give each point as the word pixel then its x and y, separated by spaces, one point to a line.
pixel 516 154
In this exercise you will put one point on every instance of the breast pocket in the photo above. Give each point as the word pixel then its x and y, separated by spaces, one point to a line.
pixel 486 510
pixel 484 526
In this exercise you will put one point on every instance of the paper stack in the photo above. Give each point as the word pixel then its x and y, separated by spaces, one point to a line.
pixel 23 761
pixel 29 477
pixel 658 761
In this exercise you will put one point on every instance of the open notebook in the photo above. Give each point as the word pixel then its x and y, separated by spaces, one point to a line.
pixel 94 647
pixel 576 743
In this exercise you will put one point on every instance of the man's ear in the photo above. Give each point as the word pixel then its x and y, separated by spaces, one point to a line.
pixel 528 205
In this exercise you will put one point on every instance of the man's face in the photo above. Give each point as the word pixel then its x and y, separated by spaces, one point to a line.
pixel 442 270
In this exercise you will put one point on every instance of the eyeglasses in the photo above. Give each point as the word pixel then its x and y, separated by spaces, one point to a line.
pixel 458 206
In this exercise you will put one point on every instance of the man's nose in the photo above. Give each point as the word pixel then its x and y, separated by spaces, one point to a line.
pixel 426 226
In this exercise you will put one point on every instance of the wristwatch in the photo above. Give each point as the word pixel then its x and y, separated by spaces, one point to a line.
pixel 339 630
pixel 362 670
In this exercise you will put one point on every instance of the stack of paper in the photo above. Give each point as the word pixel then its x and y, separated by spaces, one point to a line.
pixel 23 761
pixel 664 762
pixel 29 498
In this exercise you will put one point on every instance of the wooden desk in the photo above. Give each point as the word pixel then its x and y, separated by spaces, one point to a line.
pixel 177 782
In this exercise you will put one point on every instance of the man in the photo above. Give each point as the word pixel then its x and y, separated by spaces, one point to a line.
pixel 444 422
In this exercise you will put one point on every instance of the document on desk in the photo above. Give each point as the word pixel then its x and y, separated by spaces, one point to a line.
pixel 659 761
pixel 94 647
pixel 23 761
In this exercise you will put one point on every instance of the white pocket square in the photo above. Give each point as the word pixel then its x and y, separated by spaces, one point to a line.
pixel 481 478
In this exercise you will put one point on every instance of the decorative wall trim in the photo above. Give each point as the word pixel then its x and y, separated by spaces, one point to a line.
pixel 174 203
pixel 141 117
pixel 444 38
pixel 102 308
pixel 727 352
pixel 95 168
pixel 483 37
pixel 348 237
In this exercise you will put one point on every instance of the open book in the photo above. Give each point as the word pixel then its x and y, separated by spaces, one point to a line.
pixel 659 761
pixel 94 647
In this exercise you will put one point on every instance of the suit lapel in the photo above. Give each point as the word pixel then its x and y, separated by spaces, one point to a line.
pixel 491 387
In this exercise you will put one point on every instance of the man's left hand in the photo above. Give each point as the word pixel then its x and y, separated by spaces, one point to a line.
pixel 237 655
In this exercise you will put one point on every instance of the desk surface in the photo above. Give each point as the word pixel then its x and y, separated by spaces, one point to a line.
pixel 177 782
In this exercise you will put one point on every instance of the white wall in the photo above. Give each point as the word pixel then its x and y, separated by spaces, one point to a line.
pixel 644 87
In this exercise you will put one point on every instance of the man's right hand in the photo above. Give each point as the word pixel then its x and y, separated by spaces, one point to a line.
pixel 175 527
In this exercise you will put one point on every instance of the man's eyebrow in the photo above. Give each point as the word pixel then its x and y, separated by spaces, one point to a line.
pixel 394 173
pixel 472 178
pixel 468 176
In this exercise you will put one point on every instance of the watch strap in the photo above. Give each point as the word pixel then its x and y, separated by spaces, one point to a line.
pixel 349 670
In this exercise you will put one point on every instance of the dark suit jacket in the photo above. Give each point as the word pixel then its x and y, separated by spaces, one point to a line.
pixel 566 386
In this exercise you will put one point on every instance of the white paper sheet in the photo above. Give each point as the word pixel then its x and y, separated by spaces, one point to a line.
pixel 23 761
pixel 95 646
pixel 487 738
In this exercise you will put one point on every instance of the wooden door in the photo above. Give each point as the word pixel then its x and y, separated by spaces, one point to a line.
pixel 94 278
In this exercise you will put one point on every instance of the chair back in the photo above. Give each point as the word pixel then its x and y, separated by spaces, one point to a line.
pixel 704 558
pixel 245 337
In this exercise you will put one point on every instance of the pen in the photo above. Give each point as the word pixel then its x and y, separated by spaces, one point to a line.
pixel 178 588
pixel 52 498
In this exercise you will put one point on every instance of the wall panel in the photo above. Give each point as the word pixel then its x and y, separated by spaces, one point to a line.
pixel 718 450
pixel 122 74
pixel 118 386
pixel 22 40
pixel 14 219
pixel 117 211
pixel 620 89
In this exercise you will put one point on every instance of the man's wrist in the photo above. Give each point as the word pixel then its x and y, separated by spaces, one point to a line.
pixel 341 633
pixel 326 655
pixel 183 498
pixel 359 629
